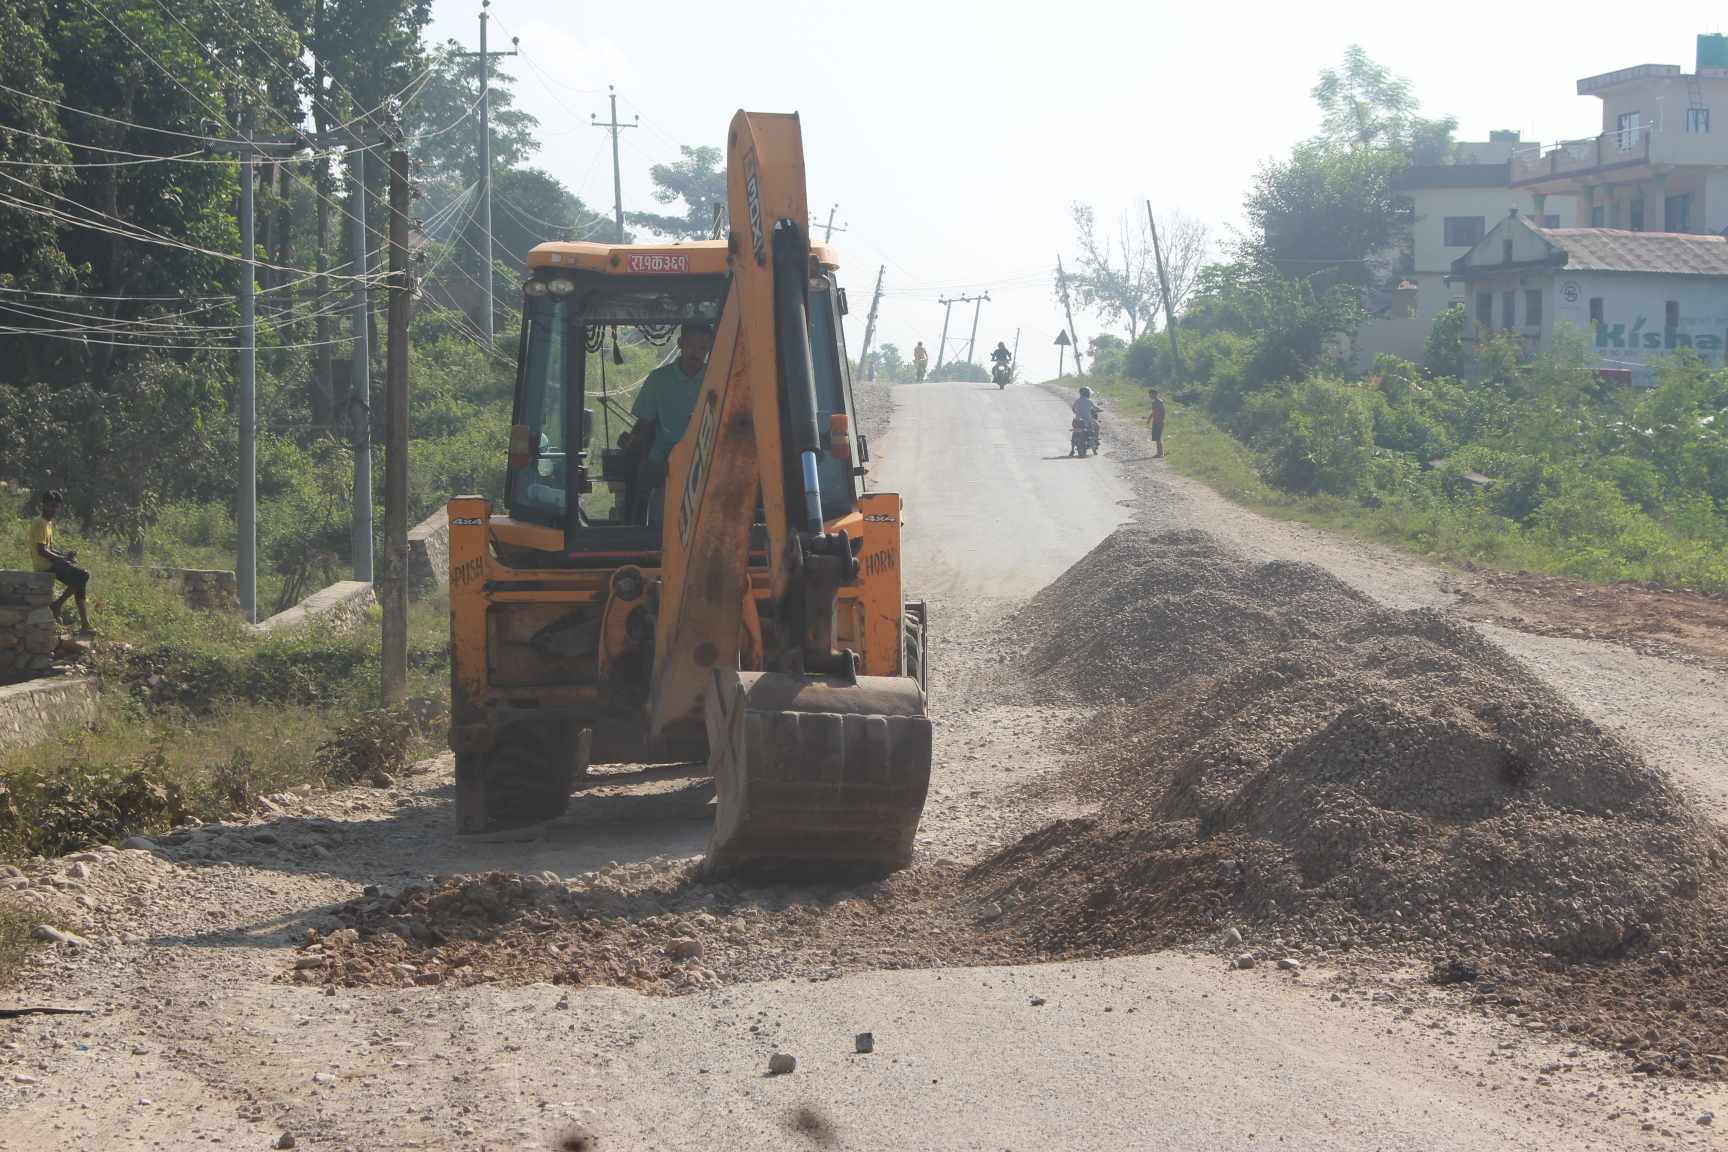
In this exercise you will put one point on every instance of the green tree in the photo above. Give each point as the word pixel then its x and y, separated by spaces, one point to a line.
pixel 1364 105
pixel 1445 352
pixel 698 181
pixel 1323 214
pixel 892 363
pixel 530 207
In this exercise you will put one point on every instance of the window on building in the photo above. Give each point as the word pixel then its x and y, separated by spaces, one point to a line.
pixel 1698 120
pixel 1628 131
pixel 1595 310
pixel 1508 309
pixel 1551 220
pixel 1636 216
pixel 1671 314
pixel 1506 251
pixel 1533 308
pixel 1464 231
pixel 1677 213
pixel 1485 309
pixel 1599 216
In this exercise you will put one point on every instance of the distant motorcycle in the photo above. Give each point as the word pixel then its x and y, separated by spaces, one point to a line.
pixel 1083 437
pixel 1001 374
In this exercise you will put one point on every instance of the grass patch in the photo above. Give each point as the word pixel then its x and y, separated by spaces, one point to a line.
pixel 1442 530
pixel 199 717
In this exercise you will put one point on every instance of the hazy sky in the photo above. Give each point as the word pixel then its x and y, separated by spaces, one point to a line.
pixel 956 136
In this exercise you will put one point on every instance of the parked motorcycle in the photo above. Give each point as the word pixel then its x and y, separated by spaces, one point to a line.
pixel 1083 437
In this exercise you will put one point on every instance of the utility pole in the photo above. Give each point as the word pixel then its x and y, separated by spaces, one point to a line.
pixel 1062 284
pixel 485 58
pixel 942 345
pixel 944 301
pixel 870 323
pixel 393 589
pixel 972 344
pixel 615 127
pixel 830 228
pixel 1016 357
pixel 248 148
pixel 1164 291
pixel 360 376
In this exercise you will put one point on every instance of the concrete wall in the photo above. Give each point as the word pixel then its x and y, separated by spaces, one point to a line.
pixel 1633 333
pixel 429 554
pixel 1432 206
pixel 206 590
pixel 28 631
pixel 342 606
pixel 33 710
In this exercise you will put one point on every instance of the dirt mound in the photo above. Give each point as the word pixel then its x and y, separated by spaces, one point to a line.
pixel 1333 771
pixel 1144 611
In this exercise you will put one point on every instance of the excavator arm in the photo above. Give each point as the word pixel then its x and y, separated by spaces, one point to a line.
pixel 813 763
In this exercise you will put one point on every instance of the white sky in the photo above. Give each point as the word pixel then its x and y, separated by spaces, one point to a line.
pixel 955 136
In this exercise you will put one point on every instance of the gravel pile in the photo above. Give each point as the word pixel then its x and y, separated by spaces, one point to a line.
pixel 1143 612
pixel 1301 761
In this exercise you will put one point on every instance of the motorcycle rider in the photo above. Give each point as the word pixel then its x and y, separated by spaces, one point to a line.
pixel 1085 409
pixel 919 359
pixel 1001 355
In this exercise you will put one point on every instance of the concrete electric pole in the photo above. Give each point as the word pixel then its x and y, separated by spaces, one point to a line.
pixel 393 588
pixel 615 127
pixel 870 324
pixel 485 59
pixel 248 148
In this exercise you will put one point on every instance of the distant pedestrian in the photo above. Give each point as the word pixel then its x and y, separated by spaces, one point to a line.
pixel 1156 419
pixel 47 558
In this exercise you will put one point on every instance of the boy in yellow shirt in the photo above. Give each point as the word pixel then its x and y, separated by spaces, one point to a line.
pixel 47 559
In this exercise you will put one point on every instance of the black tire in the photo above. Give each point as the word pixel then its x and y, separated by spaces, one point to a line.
pixel 916 655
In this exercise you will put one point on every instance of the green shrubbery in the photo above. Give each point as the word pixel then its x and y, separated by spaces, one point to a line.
pixel 1538 464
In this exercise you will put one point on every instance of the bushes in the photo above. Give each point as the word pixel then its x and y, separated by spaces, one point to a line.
pixel 1538 464
pixel 1317 436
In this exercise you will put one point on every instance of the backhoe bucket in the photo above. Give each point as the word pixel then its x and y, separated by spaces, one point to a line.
pixel 815 772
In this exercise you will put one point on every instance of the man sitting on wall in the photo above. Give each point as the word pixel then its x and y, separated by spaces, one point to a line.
pixel 47 559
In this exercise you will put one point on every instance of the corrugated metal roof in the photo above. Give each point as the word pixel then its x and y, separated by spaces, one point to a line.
pixel 1615 250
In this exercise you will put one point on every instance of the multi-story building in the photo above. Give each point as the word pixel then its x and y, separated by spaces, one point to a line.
pixel 1452 206
pixel 1631 296
pixel 1660 163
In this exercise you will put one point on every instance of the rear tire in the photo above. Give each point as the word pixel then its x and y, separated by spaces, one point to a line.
pixel 916 655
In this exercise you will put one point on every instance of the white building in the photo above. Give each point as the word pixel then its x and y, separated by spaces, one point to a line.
pixel 1633 296
pixel 1660 163
pixel 1452 206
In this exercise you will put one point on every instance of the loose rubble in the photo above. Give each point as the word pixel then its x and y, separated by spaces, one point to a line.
pixel 1339 776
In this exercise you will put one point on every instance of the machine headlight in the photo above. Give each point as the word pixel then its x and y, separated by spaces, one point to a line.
pixel 560 286
pixel 534 288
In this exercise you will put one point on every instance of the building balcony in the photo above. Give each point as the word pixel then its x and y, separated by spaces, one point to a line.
pixel 1628 154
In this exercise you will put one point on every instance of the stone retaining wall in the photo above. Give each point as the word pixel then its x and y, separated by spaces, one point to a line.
pixel 28 631
pixel 341 606
pixel 31 711
pixel 205 590
pixel 429 555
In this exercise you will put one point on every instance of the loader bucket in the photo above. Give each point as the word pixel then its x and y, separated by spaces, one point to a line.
pixel 815 772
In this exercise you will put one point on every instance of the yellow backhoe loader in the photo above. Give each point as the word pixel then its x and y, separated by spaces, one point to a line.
pixel 741 604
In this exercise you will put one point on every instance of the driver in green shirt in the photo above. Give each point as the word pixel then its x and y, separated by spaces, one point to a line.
pixel 665 404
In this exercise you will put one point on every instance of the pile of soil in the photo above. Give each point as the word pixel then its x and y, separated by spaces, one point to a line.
pixel 1304 762
pixel 1143 612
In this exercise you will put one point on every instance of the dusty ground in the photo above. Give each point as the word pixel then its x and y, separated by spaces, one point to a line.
pixel 207 1030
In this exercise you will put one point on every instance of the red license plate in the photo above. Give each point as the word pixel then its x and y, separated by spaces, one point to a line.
pixel 657 262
